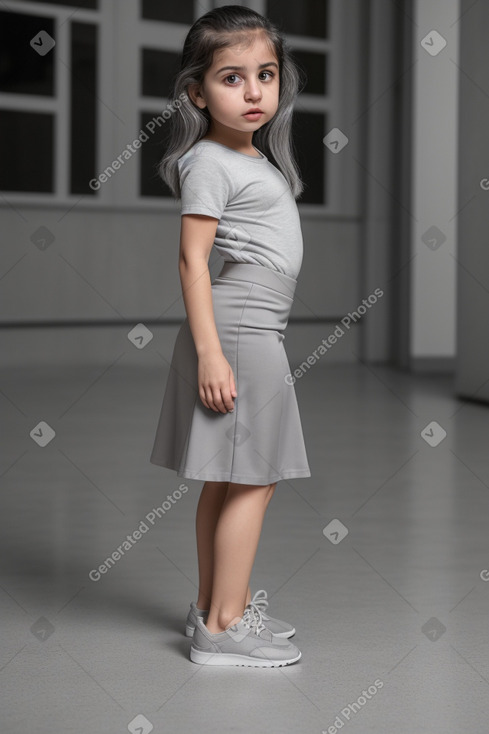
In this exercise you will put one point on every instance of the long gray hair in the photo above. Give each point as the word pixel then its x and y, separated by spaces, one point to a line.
pixel 221 28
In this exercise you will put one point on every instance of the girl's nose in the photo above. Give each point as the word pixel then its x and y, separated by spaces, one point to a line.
pixel 253 90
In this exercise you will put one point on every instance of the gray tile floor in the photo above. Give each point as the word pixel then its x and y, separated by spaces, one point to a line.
pixel 391 618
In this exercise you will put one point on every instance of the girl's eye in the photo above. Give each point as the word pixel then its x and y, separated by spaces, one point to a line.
pixel 235 76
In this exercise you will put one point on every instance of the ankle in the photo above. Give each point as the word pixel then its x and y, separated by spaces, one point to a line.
pixel 203 602
pixel 213 628
pixel 220 622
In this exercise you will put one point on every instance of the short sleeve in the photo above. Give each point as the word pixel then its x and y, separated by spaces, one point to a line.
pixel 204 183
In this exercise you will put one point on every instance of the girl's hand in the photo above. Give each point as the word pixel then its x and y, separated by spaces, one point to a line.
pixel 216 383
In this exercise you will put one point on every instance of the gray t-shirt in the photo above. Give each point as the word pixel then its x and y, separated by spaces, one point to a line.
pixel 258 217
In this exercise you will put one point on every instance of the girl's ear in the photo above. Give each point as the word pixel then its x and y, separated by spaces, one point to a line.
pixel 194 93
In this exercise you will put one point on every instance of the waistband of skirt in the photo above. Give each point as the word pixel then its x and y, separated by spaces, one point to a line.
pixel 261 275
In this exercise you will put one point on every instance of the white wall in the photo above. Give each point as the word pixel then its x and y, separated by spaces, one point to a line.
pixel 434 182
pixel 472 365
pixel 76 300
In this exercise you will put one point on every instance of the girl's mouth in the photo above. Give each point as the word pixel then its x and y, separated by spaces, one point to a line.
pixel 253 116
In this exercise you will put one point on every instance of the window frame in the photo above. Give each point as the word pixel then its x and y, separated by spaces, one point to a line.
pixel 122 34
pixel 58 105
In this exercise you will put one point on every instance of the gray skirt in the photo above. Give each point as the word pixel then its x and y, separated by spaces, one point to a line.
pixel 261 441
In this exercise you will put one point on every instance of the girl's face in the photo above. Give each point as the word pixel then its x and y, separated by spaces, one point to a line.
pixel 229 93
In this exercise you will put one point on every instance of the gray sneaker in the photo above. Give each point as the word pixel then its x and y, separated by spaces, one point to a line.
pixel 260 599
pixel 248 642
pixel 279 628
pixel 191 622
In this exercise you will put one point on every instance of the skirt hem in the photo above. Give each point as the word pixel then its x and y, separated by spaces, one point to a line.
pixel 237 478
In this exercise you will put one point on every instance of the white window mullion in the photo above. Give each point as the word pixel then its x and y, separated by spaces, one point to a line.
pixel 161 35
pixel 107 73
pixel 28 103
pixel 126 49
pixel 257 5
pixel 203 6
pixel 62 86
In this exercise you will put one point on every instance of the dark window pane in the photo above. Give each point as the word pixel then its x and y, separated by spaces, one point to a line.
pixel 83 109
pixel 304 18
pixel 151 152
pixel 87 4
pixel 314 65
pixel 26 151
pixel 308 133
pixel 181 11
pixel 23 70
pixel 158 69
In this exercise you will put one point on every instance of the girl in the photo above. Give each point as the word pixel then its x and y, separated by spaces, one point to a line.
pixel 229 415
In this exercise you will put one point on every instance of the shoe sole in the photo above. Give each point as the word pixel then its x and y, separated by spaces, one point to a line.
pixel 226 658
pixel 190 629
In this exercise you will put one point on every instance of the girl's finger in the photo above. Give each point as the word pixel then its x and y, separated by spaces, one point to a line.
pixel 218 400
pixel 210 399
pixel 203 397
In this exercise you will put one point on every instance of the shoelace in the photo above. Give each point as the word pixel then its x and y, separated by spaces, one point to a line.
pixel 260 600
pixel 252 618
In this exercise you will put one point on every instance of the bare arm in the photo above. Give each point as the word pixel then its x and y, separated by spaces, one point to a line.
pixel 196 237
pixel 216 381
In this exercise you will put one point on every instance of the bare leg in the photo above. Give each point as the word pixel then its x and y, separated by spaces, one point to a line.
pixel 236 540
pixel 208 510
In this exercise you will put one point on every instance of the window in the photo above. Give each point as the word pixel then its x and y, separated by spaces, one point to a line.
pixel 21 72
pixel 82 95
pixel 317 74
pixel 306 27
pixel 48 126
pixel 158 69
pixel 150 182
pixel 308 128
pixel 169 12
pixel 305 18
pixel 83 107
pixel 26 151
